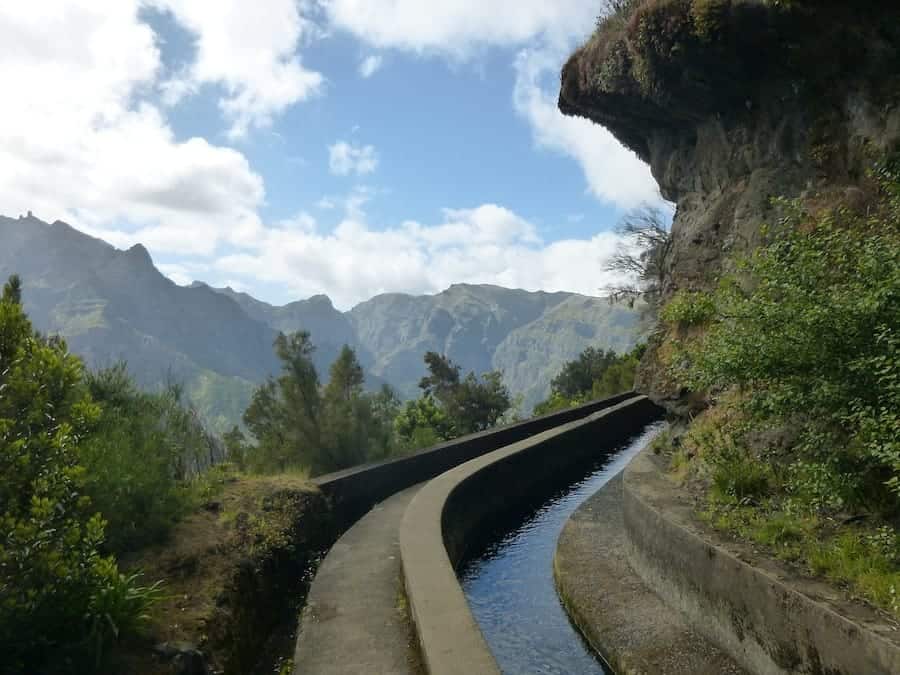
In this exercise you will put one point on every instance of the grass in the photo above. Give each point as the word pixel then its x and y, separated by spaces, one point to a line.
pixel 749 495
pixel 862 559
pixel 746 497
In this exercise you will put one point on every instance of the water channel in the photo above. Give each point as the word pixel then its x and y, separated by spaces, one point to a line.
pixel 508 579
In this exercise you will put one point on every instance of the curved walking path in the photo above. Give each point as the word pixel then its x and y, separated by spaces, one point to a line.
pixel 617 613
pixel 355 618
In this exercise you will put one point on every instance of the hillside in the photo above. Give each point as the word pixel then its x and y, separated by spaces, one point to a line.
pixel 734 104
pixel 115 305
pixel 775 128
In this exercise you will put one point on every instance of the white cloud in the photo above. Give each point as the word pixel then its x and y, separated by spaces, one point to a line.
pixel 613 173
pixel 457 27
pixel 345 158
pixel 354 261
pixel 180 274
pixel 248 48
pixel 79 145
pixel 370 65
pixel 301 222
pixel 81 142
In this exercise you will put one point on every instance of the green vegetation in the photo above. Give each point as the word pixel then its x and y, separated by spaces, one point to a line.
pixel 451 405
pixel 593 375
pixel 297 422
pixel 801 450
pixel 141 458
pixel 62 601
pixel 689 308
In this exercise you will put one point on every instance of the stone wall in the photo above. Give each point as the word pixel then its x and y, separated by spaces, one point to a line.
pixel 353 492
pixel 765 615
pixel 447 513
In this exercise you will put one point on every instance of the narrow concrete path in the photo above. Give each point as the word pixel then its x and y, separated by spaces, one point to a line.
pixel 355 620
pixel 619 615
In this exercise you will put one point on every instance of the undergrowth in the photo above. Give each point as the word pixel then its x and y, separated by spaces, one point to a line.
pixel 798 352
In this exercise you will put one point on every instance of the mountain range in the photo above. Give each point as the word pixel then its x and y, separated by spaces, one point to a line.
pixel 113 305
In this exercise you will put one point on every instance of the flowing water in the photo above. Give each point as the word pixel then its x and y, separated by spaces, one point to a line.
pixel 509 579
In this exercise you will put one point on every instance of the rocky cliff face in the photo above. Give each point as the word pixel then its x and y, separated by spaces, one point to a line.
pixel 733 103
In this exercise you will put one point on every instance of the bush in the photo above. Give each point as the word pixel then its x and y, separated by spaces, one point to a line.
pixel 140 458
pixel 55 605
pixel 689 308
pixel 812 341
pixel 595 374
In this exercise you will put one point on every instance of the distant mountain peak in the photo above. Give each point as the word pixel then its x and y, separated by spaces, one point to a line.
pixel 139 252
pixel 320 299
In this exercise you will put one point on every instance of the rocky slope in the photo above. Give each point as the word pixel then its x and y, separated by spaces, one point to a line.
pixel 733 103
pixel 528 336
pixel 115 305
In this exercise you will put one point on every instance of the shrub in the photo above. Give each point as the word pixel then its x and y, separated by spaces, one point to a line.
pixel 739 478
pixel 812 340
pixel 54 582
pixel 140 458
pixel 689 308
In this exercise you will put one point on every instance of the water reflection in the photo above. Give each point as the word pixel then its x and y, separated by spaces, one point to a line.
pixel 509 579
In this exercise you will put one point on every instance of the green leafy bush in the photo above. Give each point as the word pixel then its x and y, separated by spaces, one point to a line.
pixel 689 308
pixel 801 450
pixel 595 374
pixel 812 339
pixel 141 457
pixel 56 605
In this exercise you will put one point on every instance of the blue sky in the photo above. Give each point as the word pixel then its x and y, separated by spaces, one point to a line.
pixel 293 147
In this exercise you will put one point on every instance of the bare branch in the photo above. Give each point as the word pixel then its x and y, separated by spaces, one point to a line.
pixel 642 256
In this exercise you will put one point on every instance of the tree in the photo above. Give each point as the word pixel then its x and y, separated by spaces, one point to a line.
pixel 12 290
pixel 299 386
pixel 422 423
pixel 348 420
pixel 479 403
pixel 469 404
pixel 297 422
pixel 56 589
pixel 577 377
pixel 443 376
pixel 345 378
pixel 284 413
pixel 266 420
pixel 641 259
pixel 385 405
pixel 236 447
pixel 595 374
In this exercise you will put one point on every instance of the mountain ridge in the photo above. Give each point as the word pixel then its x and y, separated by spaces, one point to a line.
pixel 115 305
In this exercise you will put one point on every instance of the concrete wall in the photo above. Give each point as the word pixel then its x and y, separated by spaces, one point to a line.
pixel 353 492
pixel 759 613
pixel 445 515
